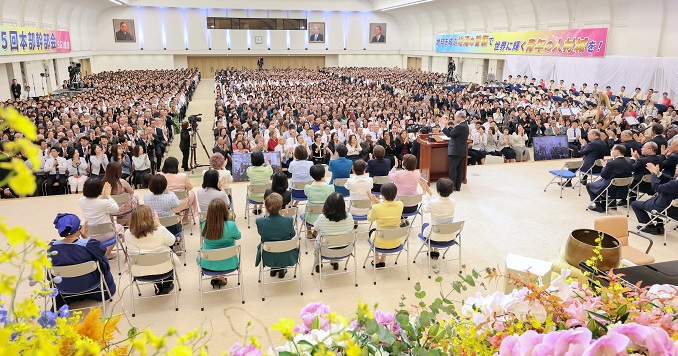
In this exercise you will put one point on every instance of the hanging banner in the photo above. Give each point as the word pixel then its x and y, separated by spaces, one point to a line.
pixel 24 40
pixel 586 42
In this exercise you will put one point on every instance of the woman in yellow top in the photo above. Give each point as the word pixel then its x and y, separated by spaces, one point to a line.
pixel 387 215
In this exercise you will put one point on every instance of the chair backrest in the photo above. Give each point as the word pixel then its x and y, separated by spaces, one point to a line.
pixel 598 162
pixel 181 194
pixel 446 232
pixel 73 271
pixel 674 203
pixel 361 203
pixel 314 209
pixel 219 254
pixel 228 191
pixel 340 182
pixel 300 185
pixel 150 259
pixel 410 200
pixel 395 233
pixel 573 164
pixel 616 226
pixel 122 198
pixel 647 178
pixel 622 182
pixel 170 220
pixel 258 188
pixel 280 246
pixel 381 180
pixel 203 216
pixel 290 211
pixel 100 229
pixel 337 240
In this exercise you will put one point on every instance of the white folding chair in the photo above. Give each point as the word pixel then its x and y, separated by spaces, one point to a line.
pixel 592 176
pixel 400 233
pixel 443 237
pixel 182 194
pixel 153 259
pixel 292 211
pixel 171 221
pixel 316 209
pixel 341 183
pixel 647 179
pixel 254 189
pixel 619 183
pixel 220 254
pixel 564 174
pixel 663 217
pixel 380 180
pixel 361 204
pixel 108 228
pixel 298 187
pixel 279 247
pixel 79 270
pixel 335 249
pixel 203 217
pixel 411 200
pixel 122 199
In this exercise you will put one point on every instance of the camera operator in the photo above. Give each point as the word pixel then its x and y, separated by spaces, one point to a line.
pixel 185 145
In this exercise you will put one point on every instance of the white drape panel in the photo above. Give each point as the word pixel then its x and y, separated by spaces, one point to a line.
pixel 660 74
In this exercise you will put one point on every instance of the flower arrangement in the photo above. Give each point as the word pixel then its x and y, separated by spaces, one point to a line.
pixel 29 326
pixel 562 318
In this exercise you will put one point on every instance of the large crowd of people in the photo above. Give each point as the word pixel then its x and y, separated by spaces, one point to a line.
pixel 127 117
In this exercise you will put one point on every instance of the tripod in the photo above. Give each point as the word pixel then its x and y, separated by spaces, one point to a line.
pixel 193 158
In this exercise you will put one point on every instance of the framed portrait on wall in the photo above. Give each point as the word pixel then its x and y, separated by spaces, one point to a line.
pixel 317 32
pixel 124 30
pixel 377 33
pixel 258 39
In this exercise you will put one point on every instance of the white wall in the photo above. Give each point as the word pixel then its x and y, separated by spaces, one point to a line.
pixel 118 62
pixel 371 60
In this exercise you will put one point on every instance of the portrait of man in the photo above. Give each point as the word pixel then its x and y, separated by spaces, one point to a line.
pixel 378 31
pixel 124 30
pixel 317 32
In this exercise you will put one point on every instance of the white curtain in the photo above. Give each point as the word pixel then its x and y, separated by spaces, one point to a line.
pixel 660 74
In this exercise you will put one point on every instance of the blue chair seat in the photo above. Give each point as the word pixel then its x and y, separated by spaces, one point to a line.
pixel 414 213
pixel 109 242
pixel 84 290
pixel 386 250
pixel 564 173
pixel 254 202
pixel 208 272
pixel 298 194
pixel 302 219
pixel 155 279
pixel 123 214
pixel 360 217
pixel 438 244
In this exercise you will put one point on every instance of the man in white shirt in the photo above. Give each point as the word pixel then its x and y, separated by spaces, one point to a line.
pixel 441 209
pixel 56 168
pixel 28 94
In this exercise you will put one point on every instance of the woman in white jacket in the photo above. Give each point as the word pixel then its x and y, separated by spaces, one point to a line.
pixel 478 151
pixel 141 165
pixel 77 172
pixel 518 141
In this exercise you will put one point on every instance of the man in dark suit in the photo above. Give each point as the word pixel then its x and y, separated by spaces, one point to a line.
pixel 317 36
pixel 122 34
pixel 16 89
pixel 670 158
pixel 667 188
pixel 631 144
pixel 659 139
pixel 84 148
pixel 457 149
pixel 618 167
pixel 592 151
pixel 378 37
pixel 649 155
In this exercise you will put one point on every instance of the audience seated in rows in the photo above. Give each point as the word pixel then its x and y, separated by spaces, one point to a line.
pixel 212 188
pixel 276 227
pixel 218 231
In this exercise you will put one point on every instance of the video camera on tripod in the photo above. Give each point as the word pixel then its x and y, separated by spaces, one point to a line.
pixel 194 120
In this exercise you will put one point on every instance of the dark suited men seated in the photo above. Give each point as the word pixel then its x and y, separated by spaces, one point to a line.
pixel 592 151
pixel 666 187
pixel 378 37
pixel 56 168
pixel 617 167
pixel 648 154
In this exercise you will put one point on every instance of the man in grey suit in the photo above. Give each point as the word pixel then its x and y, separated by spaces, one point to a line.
pixel 378 37
pixel 457 149
pixel 317 36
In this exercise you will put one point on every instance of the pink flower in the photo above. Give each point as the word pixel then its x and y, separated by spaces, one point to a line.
pixel 608 345
pixel 520 345
pixel 387 320
pixel 308 315
pixel 239 350
pixel 655 340
pixel 572 341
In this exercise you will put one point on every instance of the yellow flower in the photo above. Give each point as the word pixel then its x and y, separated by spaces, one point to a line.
pixel 19 123
pixel 255 342
pixel 7 283
pixel 352 349
pixel 17 235
pixel 23 181
pixel 285 326
pixel 27 309
pixel 337 319
pixel 181 351
pixel 364 310
pixel 139 345
pixel 323 351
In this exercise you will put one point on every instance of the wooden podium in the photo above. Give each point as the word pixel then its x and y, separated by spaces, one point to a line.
pixel 433 162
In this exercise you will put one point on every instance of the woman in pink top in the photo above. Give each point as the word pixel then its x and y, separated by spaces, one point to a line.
pixel 407 181
pixel 177 182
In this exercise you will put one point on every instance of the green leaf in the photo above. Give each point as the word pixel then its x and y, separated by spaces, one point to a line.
pixel 622 309
pixel 439 279
pixel 470 281
pixel 422 304
pixel 371 326
pixel 475 274
pixel 417 286
pixel 304 342
pixel 316 323
pixel 599 316
pixel 285 353
pixel 591 325
pixel 623 318
pixel 132 331
pixel 456 285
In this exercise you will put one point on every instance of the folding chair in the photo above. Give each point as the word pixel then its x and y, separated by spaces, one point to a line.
pixel 220 254
pixel 663 217
pixel 292 211
pixel 254 189
pixel 618 183
pixel 279 247
pixel 334 249
pixel 203 217
pixel 380 180
pixel 400 233
pixel 122 199
pixel 79 270
pixel 646 179
pixel 298 189
pixel 171 221
pixel 564 174
pixel 440 236
pixel 411 200
pixel 308 209
pixel 105 229
pixel 153 259
pixel 359 204
pixel 182 194
pixel 589 173
pixel 341 183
